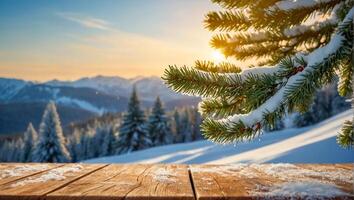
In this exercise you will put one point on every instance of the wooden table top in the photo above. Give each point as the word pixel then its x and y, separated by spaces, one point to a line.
pixel 159 181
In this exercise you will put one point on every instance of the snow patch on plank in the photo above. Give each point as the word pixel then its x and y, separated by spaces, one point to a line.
pixel 52 175
pixel 286 172
pixel 303 190
pixel 241 169
pixel 163 175
pixel 22 170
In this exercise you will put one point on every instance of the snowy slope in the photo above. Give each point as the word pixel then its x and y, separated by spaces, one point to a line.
pixel 10 87
pixel 314 144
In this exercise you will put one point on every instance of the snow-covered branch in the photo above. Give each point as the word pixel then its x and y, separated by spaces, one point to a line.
pixel 276 100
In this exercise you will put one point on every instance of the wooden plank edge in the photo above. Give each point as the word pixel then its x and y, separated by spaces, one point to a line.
pixel 191 181
pixel 76 179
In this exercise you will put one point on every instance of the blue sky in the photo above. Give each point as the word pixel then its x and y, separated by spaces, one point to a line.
pixel 43 40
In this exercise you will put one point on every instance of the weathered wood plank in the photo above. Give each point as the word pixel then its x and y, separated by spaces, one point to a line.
pixel 130 182
pixel 270 180
pixel 36 186
pixel 13 171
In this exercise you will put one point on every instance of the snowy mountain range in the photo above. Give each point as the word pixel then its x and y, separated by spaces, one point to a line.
pixel 148 87
pixel 23 101
pixel 96 94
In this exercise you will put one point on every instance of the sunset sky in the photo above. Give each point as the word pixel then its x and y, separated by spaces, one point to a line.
pixel 64 39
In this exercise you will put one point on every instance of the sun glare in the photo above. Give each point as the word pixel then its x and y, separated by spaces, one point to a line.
pixel 218 56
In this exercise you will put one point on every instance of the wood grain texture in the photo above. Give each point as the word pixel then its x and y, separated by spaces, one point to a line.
pixel 137 181
pixel 12 171
pixel 258 181
pixel 130 182
pixel 38 185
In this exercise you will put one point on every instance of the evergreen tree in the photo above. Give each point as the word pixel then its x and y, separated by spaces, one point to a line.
pixel 29 141
pixel 327 103
pixel 11 151
pixel 133 134
pixel 176 124
pixel 195 123
pixel 158 127
pixel 73 142
pixel 109 144
pixel 186 126
pixel 51 143
pixel 295 57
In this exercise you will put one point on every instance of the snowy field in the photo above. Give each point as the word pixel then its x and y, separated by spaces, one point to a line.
pixel 313 144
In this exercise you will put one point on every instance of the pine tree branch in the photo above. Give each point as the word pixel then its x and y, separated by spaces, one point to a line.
pixel 296 93
pixel 301 31
pixel 346 72
pixel 277 45
pixel 227 21
pixel 221 107
pixel 279 18
pixel 208 84
pixel 223 67
pixel 231 4
pixel 195 82
pixel 346 136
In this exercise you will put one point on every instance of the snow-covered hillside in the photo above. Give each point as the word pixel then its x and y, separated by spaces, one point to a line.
pixel 313 144
pixel 10 87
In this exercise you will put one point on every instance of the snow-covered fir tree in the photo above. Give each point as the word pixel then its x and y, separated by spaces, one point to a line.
pixel 29 141
pixel 296 47
pixel 195 119
pixel 176 127
pixel 327 102
pixel 11 151
pixel 51 143
pixel 158 126
pixel 73 143
pixel 133 134
pixel 109 144
pixel 186 130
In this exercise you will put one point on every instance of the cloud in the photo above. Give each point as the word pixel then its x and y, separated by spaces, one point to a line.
pixel 86 21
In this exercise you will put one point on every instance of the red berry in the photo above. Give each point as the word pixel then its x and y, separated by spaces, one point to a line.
pixel 258 126
pixel 300 68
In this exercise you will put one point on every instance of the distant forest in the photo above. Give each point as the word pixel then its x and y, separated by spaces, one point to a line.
pixel 109 134
pixel 135 129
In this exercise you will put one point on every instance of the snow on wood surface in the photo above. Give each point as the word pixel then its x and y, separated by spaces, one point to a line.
pixel 38 184
pixel 55 174
pixel 138 181
pixel 131 182
pixel 165 175
pixel 273 181
pixel 21 170
pixel 306 190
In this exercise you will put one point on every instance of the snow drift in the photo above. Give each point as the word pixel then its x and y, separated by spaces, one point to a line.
pixel 313 144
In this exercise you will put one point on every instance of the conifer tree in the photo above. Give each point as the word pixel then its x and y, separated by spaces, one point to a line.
pixel 294 52
pixel 109 144
pixel 29 141
pixel 51 143
pixel 133 134
pixel 195 123
pixel 176 127
pixel 186 130
pixel 158 127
